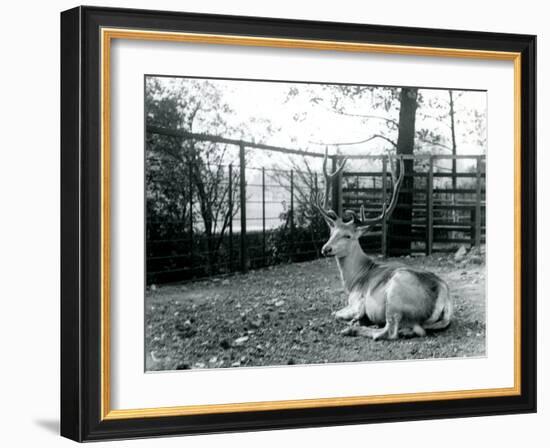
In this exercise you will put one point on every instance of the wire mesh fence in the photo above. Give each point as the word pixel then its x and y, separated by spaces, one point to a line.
pixel 253 225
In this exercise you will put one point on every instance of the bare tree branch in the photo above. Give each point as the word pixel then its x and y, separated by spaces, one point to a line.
pixel 372 137
pixel 374 117
pixel 433 142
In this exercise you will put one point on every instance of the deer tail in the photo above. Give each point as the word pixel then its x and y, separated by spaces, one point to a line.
pixel 443 310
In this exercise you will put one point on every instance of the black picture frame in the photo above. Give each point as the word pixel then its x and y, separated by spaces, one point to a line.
pixel 81 224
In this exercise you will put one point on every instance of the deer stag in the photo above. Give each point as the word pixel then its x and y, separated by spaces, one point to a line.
pixel 396 298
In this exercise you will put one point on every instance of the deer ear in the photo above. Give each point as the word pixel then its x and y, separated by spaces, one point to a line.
pixel 361 230
pixel 329 222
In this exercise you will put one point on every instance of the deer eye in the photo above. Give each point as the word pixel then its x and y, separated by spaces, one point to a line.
pixel 347 236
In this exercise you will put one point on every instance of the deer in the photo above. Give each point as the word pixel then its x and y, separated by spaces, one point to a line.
pixel 398 299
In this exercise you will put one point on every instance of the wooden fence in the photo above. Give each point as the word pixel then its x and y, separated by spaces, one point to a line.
pixel 447 208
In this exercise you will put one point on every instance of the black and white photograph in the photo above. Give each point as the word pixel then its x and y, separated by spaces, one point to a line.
pixel 275 224
pixel 292 223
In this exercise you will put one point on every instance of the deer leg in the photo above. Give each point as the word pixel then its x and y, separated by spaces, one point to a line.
pixel 407 332
pixel 391 329
pixel 415 330
pixel 354 311
pixel 359 331
pixel 356 329
pixel 346 313
pixel 394 327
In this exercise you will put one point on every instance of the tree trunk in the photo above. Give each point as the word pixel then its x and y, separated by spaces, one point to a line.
pixel 400 233
pixel 453 135
pixel 453 149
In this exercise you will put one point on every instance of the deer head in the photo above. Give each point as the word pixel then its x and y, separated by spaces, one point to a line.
pixel 344 235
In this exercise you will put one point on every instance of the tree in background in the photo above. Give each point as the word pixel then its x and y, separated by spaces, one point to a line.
pixel 188 179
pixel 402 230
pixel 308 223
pixel 442 111
pixel 396 109
pixel 403 121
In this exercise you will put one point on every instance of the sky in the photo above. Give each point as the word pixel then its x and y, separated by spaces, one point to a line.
pixel 298 122
pixel 302 124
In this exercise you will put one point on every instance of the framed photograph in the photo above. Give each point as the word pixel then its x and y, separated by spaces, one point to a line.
pixel 272 223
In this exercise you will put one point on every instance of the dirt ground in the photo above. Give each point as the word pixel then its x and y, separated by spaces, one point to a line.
pixel 282 316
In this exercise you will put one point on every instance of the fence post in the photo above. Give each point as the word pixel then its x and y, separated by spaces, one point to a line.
pixel 336 187
pixel 230 190
pixel 473 226
pixel 263 217
pixel 430 207
pixel 292 249
pixel 316 236
pixel 357 193
pixel 191 248
pixel 242 172
pixel 478 203
pixel 384 219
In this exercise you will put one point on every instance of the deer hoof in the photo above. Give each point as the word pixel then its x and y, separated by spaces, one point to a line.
pixel 342 315
pixel 349 331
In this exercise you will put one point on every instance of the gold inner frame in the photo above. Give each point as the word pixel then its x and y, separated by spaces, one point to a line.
pixel 107 35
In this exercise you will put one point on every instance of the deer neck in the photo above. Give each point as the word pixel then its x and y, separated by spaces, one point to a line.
pixel 353 266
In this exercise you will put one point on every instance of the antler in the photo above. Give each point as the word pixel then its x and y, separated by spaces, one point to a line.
pixel 386 209
pixel 319 200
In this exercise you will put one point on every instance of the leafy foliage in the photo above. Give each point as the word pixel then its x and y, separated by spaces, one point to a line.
pixel 187 184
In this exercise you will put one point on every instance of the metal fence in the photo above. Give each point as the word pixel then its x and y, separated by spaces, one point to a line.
pixel 261 222
pixel 219 219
